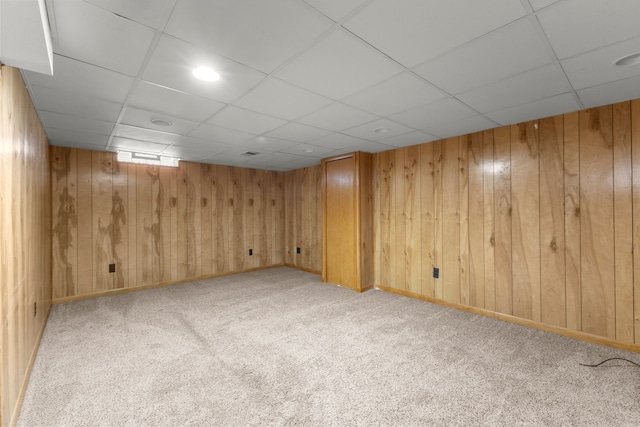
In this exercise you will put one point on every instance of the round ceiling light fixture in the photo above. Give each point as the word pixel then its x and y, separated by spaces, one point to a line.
pixel 631 59
pixel 207 74
pixel 160 122
pixel 382 130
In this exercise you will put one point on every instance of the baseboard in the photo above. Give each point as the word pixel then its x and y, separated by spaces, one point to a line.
pixel 25 380
pixel 158 285
pixel 308 270
pixel 524 322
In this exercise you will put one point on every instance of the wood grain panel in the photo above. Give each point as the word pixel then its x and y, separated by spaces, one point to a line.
pixel 101 199
pixel 502 212
pixel 450 273
pixel 572 220
pixel 206 203
pixel 221 219
pixel 177 241
pixel 65 218
pixel 623 222
pixel 364 212
pixel 279 220
pixel 144 228
pixel 85 221
pixel 488 221
pixel 635 161
pixel 427 221
pixel 386 163
pixel 463 202
pixel 552 248
pixel 164 219
pixel 251 208
pixel 525 217
pixel 597 229
pixel 476 221
pixel 399 224
pixel 413 236
pixel 438 215
pixel 26 218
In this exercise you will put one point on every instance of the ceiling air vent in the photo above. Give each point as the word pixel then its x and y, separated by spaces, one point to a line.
pixel 250 153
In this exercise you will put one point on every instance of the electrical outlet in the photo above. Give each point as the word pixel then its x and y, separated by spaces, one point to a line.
pixel 112 268
pixel 35 309
pixel 297 250
pixel 250 252
pixel 436 272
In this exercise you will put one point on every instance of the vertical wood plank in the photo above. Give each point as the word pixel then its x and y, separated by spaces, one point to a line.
pixel 377 250
pixel 222 234
pixel 597 229
pixel 438 216
pixel 182 214
pixel 144 229
pixel 386 182
pixel 164 217
pixel 635 159
pixel 502 211
pixel 572 221
pixel 623 222
pixel 489 221
pixel 62 216
pixel 290 179
pixel 101 190
pixel 72 224
pixel 279 219
pixel 400 223
pixel 132 225
pixel 427 227
pixel 193 219
pixel 552 247
pixel 413 217
pixel 177 235
pixel 250 178
pixel 476 221
pixel 450 272
pixel 236 223
pixel 120 227
pixel 525 225
pixel 206 257
pixel 463 202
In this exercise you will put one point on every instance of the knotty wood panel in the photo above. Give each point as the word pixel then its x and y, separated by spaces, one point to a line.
pixel 386 165
pixel 476 221
pixel 413 218
pixel 502 212
pixel 488 221
pixel 438 215
pixel 427 219
pixel 572 220
pixel 25 226
pixel 399 224
pixel 597 216
pixel 552 263
pixel 156 224
pixel 635 158
pixel 450 273
pixel 303 211
pixel 525 226
pixel 463 202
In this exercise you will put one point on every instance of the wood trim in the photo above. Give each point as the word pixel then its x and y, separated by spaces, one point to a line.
pixel 25 380
pixel 308 270
pixel 520 321
pixel 159 285
pixel 358 205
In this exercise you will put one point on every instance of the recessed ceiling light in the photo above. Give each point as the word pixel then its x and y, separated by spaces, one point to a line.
pixel 381 130
pixel 160 122
pixel 631 59
pixel 308 150
pixel 207 74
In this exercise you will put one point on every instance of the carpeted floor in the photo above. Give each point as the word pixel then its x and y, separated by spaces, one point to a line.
pixel 279 347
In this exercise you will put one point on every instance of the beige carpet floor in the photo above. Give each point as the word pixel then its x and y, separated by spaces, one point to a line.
pixel 279 347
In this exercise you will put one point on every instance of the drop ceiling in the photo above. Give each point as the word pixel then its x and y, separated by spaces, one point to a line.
pixel 304 80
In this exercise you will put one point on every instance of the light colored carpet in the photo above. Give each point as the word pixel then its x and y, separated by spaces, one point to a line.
pixel 279 347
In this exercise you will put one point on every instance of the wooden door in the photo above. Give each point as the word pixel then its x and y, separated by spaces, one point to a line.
pixel 340 222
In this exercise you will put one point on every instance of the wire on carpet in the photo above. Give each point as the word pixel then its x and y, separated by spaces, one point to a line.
pixel 612 358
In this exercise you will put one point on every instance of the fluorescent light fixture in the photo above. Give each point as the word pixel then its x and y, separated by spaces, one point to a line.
pixel 147 159
pixel 207 74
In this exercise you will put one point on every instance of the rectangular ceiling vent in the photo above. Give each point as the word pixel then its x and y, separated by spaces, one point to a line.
pixel 250 153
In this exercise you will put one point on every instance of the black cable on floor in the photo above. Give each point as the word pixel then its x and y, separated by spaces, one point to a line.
pixel 613 358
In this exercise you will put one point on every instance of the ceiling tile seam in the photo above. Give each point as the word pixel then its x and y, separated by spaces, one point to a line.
pixel 348 16
pixel 145 62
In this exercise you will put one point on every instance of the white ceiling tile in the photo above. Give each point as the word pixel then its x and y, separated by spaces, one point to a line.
pixel 245 121
pixel 264 144
pixel 280 99
pixel 188 153
pixel 225 160
pixel 505 52
pixel 79 139
pixel 75 123
pixel 142 134
pixel 220 135
pixel 335 9
pixel 576 26
pixel 146 12
pixel 303 163
pixel 172 65
pixel 597 67
pixel 407 139
pixel 402 92
pixel 610 93
pixel 107 40
pixel 256 33
pixel 85 79
pixel 445 110
pixel 201 145
pixel 298 132
pixel 462 127
pixel 46 99
pixel 309 150
pixel 338 66
pixel 413 31
pixel 126 144
pixel 539 4
pixel 555 105
pixel 532 85
pixel 150 97
pixel 387 129
pixel 142 118
pixel 338 140
pixel 367 147
pixel 337 117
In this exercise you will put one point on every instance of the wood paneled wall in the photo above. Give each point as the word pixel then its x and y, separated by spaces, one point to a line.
pixel 158 225
pixel 536 220
pixel 25 239
pixel 303 217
